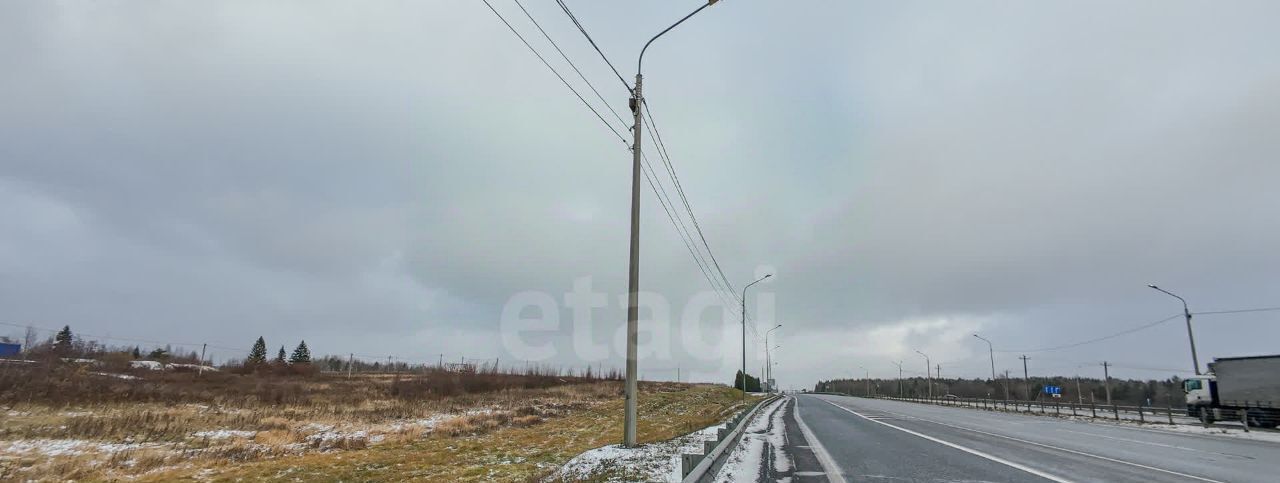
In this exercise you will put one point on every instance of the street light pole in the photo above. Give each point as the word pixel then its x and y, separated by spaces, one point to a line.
pixel 991 352
pixel 927 375
pixel 771 364
pixel 768 362
pixel 899 364
pixel 1190 336
pixel 867 379
pixel 636 102
pixel 744 331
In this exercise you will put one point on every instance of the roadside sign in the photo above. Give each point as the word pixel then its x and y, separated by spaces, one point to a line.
pixel 1053 390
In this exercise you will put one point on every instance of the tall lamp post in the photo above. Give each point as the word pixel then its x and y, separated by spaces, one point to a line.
pixel 867 379
pixel 899 364
pixel 1190 336
pixel 636 102
pixel 768 362
pixel 744 332
pixel 927 375
pixel 992 352
pixel 771 364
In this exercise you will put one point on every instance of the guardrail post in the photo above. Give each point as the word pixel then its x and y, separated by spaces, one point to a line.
pixel 1094 408
pixel 1141 418
pixel 1117 411
pixel 688 461
pixel 1170 413
pixel 1057 408
pixel 1244 419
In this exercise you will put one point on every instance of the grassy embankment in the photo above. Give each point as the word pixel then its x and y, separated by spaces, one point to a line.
pixel 73 424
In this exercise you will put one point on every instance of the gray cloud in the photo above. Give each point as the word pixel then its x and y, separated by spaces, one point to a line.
pixel 383 178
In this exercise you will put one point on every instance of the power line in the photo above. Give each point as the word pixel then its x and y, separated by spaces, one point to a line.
pixel 1100 339
pixel 1241 311
pixel 571 64
pixel 578 24
pixel 554 71
pixel 662 149
pixel 659 191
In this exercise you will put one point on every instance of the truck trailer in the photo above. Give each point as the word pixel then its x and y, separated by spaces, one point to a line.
pixel 1237 388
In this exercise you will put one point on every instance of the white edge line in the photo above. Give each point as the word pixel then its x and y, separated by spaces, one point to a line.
pixel 1081 453
pixel 824 458
pixel 971 451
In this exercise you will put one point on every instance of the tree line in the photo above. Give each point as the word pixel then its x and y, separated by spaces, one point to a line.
pixel 1125 392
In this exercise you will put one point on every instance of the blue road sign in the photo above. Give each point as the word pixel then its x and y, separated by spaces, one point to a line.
pixel 1053 390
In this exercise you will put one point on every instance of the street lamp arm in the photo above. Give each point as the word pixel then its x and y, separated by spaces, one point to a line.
pixel 640 62
pixel 1171 294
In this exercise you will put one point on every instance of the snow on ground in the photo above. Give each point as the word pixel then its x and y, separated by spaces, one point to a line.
pixel 224 434
pixel 117 376
pixel 765 432
pixel 648 462
pixel 67 447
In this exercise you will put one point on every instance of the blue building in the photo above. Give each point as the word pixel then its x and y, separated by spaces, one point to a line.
pixel 7 349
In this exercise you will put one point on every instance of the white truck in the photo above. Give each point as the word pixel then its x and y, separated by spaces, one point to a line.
pixel 1237 387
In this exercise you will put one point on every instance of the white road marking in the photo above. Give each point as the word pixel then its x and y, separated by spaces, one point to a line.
pixel 1081 453
pixel 1149 443
pixel 971 451
pixel 824 458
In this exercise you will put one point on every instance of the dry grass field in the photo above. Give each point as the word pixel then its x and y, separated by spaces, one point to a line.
pixel 69 423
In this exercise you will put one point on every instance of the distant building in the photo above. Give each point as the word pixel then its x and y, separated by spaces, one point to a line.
pixel 9 350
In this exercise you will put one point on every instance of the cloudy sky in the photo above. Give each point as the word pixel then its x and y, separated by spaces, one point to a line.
pixel 387 177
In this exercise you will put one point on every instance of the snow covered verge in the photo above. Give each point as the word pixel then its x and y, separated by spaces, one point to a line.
pixel 648 462
pixel 761 444
pixel 51 447
pixel 1215 430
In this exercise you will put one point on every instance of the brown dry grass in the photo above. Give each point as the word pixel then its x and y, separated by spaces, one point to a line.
pixel 330 414
pixel 509 452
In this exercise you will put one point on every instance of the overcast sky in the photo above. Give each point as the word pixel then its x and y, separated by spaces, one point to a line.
pixel 383 177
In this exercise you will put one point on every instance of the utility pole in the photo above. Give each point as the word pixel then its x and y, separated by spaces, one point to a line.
pixel 744 334
pixel 1079 395
pixel 636 102
pixel 351 360
pixel 200 371
pixel 1026 378
pixel 633 271
pixel 899 364
pixel 1190 336
pixel 1106 382
pixel 941 384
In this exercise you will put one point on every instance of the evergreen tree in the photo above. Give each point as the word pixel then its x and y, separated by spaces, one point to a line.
pixel 137 354
pixel 257 355
pixel 158 355
pixel 280 356
pixel 301 355
pixel 62 342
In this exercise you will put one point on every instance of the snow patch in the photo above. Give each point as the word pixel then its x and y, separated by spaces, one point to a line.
pixel 68 447
pixel 648 462
pixel 746 461
pixel 224 434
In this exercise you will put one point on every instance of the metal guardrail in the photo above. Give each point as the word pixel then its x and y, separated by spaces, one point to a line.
pixel 694 466
pixel 1140 414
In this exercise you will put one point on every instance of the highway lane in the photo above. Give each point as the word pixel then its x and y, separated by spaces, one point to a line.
pixel 871 439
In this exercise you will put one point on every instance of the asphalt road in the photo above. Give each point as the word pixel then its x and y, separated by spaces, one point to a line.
pixel 869 439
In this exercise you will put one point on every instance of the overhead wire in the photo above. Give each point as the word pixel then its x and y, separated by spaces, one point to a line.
pixel 652 178
pixel 554 71
pixel 574 19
